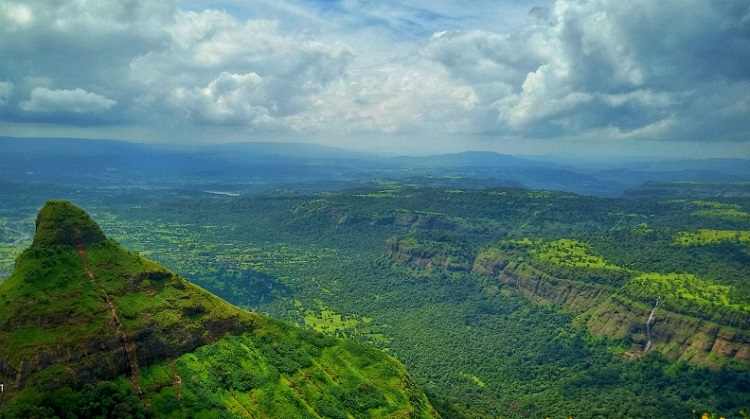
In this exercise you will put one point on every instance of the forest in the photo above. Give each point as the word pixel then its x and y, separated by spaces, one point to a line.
pixel 427 274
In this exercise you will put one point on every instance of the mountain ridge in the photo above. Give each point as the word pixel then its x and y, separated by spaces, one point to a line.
pixel 75 281
pixel 80 311
pixel 251 166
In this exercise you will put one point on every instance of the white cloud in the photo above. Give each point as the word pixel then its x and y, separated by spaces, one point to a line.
pixel 396 99
pixel 645 98
pixel 6 90
pixel 231 99
pixel 15 16
pixel 672 69
pixel 76 101
pixel 272 74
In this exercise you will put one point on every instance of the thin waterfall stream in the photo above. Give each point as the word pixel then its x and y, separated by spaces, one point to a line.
pixel 648 324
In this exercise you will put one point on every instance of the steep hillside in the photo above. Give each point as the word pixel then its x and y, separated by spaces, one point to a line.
pixel 680 315
pixel 83 320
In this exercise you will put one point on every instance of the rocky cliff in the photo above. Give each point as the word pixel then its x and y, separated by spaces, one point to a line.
pixel 605 309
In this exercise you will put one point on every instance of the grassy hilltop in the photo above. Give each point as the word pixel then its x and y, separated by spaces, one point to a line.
pixel 88 328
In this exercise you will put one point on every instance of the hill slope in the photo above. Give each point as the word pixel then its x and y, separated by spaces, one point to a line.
pixel 83 321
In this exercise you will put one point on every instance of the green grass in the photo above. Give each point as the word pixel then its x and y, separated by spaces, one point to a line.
pixel 474 379
pixel 31 337
pixel 327 321
pixel 60 222
pixel 284 372
pixel 707 236
pixel 719 210
pixel 573 253
pixel 687 288
pixel 641 229
pixel 730 213
pixel 714 205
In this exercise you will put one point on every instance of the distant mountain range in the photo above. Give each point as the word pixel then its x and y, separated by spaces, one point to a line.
pixel 268 165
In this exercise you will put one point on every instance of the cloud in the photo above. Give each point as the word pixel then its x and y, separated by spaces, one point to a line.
pixel 230 99
pixel 76 101
pixel 522 70
pixel 605 66
pixel 394 99
pixel 224 70
pixel 6 90
pixel 17 16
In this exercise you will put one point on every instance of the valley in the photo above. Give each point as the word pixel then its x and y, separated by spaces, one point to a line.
pixel 526 293
pixel 500 301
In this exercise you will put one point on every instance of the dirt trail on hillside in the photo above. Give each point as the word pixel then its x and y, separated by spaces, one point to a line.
pixel 177 381
pixel 129 347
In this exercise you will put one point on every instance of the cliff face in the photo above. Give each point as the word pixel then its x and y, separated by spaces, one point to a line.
pixel 604 309
pixel 618 317
pixel 537 284
pixel 676 336
pixel 427 254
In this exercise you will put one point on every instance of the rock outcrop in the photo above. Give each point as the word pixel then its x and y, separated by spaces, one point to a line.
pixel 604 309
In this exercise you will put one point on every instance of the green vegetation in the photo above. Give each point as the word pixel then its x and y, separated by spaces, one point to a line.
pixel 720 210
pixel 61 223
pixel 330 322
pixel 285 372
pixel 681 286
pixel 77 313
pixel 427 266
pixel 707 237
pixel 689 295
pixel 103 400
pixel 500 303
pixel 573 253
pixel 276 371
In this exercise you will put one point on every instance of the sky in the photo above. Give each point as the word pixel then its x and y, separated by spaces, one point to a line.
pixel 594 78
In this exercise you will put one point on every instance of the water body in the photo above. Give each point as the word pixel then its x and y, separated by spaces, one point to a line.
pixel 223 193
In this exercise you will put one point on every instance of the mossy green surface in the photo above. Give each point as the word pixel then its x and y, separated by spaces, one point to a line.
pixel 80 310
pixel 285 372
pixel 704 237
pixel 62 223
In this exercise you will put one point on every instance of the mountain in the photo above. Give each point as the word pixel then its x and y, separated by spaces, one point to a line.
pixel 260 166
pixel 88 328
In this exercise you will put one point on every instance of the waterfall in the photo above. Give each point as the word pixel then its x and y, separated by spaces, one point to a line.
pixel 262 297
pixel 648 324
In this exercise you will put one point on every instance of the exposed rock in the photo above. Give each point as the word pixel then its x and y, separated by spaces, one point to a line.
pixel 677 336
pixel 602 308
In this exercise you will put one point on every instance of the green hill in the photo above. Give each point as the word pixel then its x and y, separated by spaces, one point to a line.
pixel 88 328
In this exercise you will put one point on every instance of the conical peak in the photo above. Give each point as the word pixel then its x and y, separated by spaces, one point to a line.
pixel 62 223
